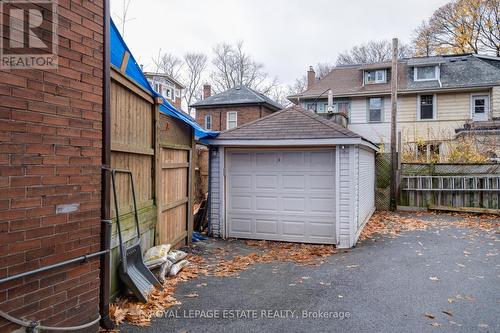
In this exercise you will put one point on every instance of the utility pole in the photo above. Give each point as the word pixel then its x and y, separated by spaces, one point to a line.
pixel 394 108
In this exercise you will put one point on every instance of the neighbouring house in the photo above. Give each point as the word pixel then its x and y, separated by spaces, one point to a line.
pixel 167 87
pixel 232 108
pixel 291 176
pixel 436 96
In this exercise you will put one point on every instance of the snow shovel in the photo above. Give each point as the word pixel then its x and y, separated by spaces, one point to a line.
pixel 132 270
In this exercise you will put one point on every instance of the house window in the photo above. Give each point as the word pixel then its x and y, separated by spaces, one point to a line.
pixel 479 107
pixel 232 119
pixel 158 88
pixel 378 76
pixel 426 107
pixel 375 107
pixel 177 93
pixel 208 122
pixel 311 106
pixel 425 73
pixel 168 93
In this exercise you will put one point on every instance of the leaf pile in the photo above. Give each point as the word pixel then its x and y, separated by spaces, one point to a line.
pixel 393 224
pixel 304 254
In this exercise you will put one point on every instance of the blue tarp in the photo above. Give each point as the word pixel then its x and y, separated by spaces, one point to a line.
pixel 134 72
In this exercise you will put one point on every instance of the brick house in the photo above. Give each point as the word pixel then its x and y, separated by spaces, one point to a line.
pixel 167 86
pixel 232 108
pixel 50 173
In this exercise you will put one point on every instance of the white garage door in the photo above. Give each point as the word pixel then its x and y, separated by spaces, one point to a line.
pixel 286 195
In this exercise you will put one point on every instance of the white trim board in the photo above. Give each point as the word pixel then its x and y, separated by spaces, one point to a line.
pixel 292 142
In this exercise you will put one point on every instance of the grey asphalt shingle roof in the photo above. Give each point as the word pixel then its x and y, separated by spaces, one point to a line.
pixel 237 96
pixel 291 123
pixel 457 71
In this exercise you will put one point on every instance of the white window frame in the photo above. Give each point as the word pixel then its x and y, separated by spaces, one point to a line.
pixel 208 120
pixel 486 105
pixel 235 119
pixel 436 74
pixel 434 107
pixel 368 110
pixel 384 80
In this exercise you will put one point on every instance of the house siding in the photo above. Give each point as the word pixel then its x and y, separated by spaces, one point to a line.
pixel 495 102
pixel 358 121
pixel 452 111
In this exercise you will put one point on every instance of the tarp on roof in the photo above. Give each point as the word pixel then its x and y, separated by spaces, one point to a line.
pixel 134 72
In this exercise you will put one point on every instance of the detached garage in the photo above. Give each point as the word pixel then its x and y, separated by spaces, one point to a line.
pixel 291 176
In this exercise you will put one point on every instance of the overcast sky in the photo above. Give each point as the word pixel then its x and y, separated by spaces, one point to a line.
pixel 285 35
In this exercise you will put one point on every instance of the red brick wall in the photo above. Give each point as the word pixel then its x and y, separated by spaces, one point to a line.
pixel 246 114
pixel 50 154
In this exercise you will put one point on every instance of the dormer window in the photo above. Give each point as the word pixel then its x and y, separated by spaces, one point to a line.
pixel 426 73
pixel 376 76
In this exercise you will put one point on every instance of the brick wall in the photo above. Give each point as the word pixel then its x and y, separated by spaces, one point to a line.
pixel 246 114
pixel 50 154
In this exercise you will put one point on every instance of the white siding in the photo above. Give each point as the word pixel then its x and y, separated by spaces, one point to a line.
pixel 215 193
pixel 345 202
pixel 358 121
pixel 366 185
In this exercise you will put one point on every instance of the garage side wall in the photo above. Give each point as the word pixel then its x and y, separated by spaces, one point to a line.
pixel 366 186
pixel 347 194
pixel 215 191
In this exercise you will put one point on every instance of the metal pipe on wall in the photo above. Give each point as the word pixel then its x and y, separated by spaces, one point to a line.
pixel 104 273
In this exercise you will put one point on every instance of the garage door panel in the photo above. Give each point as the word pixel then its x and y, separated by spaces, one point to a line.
pixel 266 226
pixel 241 202
pixel 266 203
pixel 290 204
pixel 321 229
pixel 240 161
pixel 320 160
pixel 266 160
pixel 321 182
pixel 321 205
pixel 283 195
pixel 241 224
pixel 294 182
pixel 293 228
pixel 266 182
pixel 243 182
pixel 293 160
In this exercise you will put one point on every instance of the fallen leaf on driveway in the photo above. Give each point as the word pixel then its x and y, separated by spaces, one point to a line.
pixel 436 324
pixel 448 313
pixel 192 295
pixel 466 253
pixel 461 265
pixel 352 266
pixel 429 315
pixel 433 278
pixel 483 325
pixel 451 300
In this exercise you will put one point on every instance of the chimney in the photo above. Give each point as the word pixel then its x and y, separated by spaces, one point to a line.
pixel 311 77
pixel 207 91
pixel 330 101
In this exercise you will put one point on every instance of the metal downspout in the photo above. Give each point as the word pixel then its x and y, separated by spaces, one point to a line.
pixel 104 272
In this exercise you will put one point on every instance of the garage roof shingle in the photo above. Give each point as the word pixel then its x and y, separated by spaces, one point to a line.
pixel 291 123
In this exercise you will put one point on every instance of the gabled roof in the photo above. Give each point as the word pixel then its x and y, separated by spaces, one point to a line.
pixel 291 123
pixel 237 96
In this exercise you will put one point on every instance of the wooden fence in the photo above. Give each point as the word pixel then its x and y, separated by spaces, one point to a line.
pixel 461 187
pixel 157 149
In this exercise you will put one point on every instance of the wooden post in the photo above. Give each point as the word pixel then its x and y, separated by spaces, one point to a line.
pixel 190 217
pixel 158 170
pixel 394 107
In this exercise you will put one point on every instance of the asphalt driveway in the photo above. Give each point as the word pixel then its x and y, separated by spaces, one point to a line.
pixel 435 280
